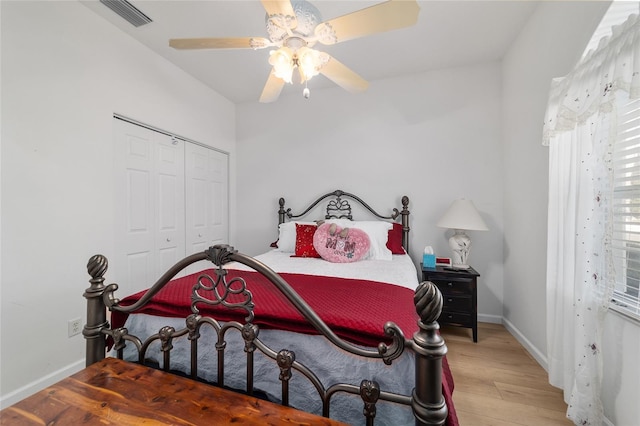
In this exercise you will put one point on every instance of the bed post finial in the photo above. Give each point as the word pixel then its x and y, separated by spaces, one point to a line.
pixel 427 401
pixel 96 310
pixel 405 223
pixel 281 212
pixel 220 253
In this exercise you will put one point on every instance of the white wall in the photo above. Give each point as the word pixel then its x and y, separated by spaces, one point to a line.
pixel 65 72
pixel 434 137
pixel 549 46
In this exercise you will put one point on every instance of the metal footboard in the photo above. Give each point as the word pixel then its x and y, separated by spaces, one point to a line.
pixel 426 400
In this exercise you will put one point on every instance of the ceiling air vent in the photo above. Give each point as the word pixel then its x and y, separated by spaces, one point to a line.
pixel 128 11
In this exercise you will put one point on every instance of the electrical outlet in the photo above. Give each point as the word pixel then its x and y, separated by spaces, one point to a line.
pixel 74 326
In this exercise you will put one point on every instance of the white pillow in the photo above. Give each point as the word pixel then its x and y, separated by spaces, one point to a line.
pixel 287 236
pixel 378 232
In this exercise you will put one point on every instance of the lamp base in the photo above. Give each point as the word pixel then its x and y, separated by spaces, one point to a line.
pixel 459 266
pixel 459 243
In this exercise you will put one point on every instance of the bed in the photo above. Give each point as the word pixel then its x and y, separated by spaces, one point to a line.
pixel 331 320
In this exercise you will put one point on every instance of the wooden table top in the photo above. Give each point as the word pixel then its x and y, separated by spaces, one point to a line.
pixel 115 392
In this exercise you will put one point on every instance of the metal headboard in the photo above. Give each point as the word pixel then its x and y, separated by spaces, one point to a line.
pixel 339 207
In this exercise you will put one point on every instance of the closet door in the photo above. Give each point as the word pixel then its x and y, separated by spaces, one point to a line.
pixel 150 214
pixel 170 206
pixel 207 198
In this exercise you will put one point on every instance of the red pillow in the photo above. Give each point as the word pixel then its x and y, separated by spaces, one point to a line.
pixel 394 241
pixel 304 241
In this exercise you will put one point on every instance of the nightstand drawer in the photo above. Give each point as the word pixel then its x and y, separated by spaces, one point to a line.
pixel 455 318
pixel 457 303
pixel 458 285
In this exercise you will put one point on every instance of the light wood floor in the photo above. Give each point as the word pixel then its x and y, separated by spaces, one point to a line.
pixel 498 383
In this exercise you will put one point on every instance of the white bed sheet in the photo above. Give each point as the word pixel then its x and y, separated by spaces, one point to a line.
pixel 400 270
pixel 331 364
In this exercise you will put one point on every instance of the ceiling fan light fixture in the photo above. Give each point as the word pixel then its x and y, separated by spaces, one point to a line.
pixel 309 63
pixel 282 61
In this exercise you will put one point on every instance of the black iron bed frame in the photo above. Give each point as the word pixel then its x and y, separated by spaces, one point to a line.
pixel 426 400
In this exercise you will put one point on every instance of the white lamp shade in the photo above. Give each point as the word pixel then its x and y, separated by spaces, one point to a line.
pixel 462 214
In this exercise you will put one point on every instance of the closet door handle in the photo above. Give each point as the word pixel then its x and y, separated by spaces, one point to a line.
pixel 168 240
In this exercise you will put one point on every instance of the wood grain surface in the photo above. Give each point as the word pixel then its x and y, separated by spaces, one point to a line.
pixel 498 383
pixel 115 392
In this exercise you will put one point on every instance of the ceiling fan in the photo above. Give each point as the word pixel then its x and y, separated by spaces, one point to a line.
pixel 295 26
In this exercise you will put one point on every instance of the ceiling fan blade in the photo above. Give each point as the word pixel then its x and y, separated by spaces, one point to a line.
pixel 390 15
pixel 343 76
pixel 281 13
pixel 272 88
pixel 220 43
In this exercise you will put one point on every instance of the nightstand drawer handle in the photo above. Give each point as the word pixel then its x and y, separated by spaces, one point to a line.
pixel 449 300
pixel 450 316
pixel 450 284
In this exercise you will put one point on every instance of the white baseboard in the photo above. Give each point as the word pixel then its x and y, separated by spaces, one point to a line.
pixel 494 319
pixel 36 386
pixel 538 355
pixel 529 347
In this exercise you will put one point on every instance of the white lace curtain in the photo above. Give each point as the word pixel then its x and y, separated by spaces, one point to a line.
pixel 579 128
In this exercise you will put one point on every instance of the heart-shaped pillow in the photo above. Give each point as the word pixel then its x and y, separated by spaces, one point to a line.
pixel 340 245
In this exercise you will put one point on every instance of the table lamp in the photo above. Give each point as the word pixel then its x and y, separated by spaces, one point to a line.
pixel 461 216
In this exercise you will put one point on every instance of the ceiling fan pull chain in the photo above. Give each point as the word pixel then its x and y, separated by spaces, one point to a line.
pixel 306 93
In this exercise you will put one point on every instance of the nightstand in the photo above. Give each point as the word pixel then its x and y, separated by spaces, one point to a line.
pixel 459 288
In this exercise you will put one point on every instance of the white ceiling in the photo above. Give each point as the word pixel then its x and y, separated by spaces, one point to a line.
pixel 448 34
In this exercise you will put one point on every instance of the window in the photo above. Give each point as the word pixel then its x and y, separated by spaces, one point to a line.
pixel 626 209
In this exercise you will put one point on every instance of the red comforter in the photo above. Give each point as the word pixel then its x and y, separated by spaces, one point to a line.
pixel 355 310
